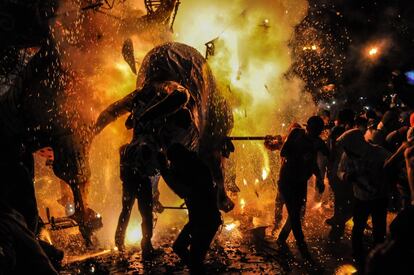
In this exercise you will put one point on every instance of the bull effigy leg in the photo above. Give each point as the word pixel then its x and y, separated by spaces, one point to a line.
pixel 80 215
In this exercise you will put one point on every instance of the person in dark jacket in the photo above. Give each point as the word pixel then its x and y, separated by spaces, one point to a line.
pixel 343 195
pixel 362 165
pixel 191 180
pixel 396 254
pixel 299 153
pixel 20 251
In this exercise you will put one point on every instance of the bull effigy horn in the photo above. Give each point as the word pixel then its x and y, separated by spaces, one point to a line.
pixel 128 54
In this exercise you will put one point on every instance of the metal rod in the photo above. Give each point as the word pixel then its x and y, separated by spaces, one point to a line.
pixel 175 207
pixel 248 138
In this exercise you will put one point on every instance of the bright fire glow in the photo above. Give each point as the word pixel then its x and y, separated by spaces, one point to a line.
pixel 242 204
pixel 346 269
pixel 265 173
pixel 45 236
pixel 317 206
pixel 249 65
pixel 230 226
pixel 310 48
pixel 133 235
pixel 376 49
pixel 373 51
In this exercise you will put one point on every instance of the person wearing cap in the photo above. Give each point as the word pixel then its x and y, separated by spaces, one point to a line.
pixel 362 164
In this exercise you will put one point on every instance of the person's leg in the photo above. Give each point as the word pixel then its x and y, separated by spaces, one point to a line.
pixel 379 220
pixel 294 210
pixel 343 209
pixel 128 199
pixel 279 202
pixel 181 244
pixel 333 184
pixel 284 233
pixel 145 203
pixel 202 235
pixel 287 227
pixel 361 213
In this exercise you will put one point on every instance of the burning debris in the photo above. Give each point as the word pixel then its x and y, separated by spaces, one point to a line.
pixel 267 65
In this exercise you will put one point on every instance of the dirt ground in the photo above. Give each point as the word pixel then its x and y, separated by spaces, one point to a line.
pixel 241 249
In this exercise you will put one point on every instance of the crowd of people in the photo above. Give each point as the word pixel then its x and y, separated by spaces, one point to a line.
pixel 367 158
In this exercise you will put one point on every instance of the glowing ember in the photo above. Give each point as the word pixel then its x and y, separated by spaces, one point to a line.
pixel 133 235
pixel 230 226
pixel 310 48
pixel 45 236
pixel 244 182
pixel 317 206
pixel 242 204
pixel 373 51
pixel 346 269
pixel 265 173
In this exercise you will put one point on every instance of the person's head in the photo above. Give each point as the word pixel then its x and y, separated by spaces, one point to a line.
pixel 390 121
pixel 294 125
pixel 326 116
pixel 346 118
pixel 314 126
pixel 353 143
pixel 361 123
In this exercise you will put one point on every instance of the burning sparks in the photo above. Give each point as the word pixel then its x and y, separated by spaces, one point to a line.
pixel 251 60
pixel 346 269
pixel 310 48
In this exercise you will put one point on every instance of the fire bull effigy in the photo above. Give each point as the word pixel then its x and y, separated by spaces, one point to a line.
pixel 32 118
pixel 176 101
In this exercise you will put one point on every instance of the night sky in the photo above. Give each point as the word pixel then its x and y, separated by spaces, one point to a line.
pixel 344 29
